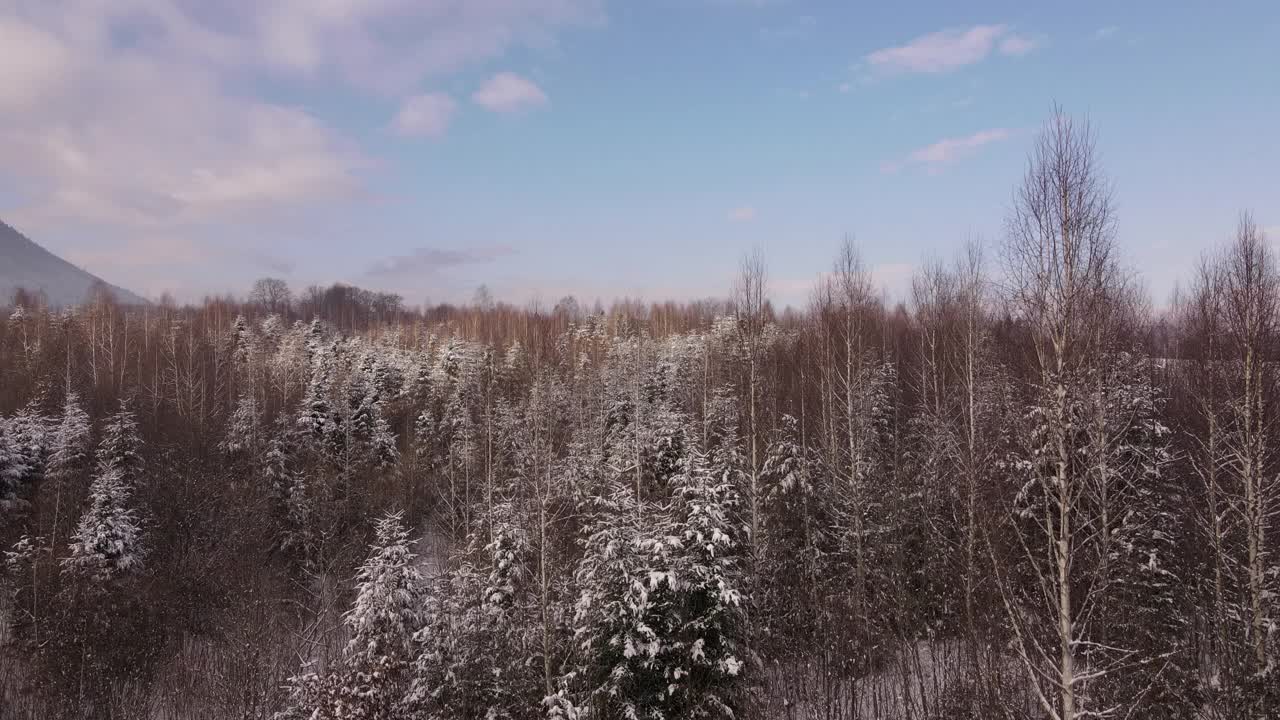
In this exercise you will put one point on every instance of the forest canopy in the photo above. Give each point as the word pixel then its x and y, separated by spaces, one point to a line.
pixel 1023 493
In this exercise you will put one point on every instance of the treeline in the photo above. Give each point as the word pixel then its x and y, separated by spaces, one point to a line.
pixel 1023 494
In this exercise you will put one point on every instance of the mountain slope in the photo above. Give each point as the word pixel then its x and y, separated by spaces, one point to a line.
pixel 24 264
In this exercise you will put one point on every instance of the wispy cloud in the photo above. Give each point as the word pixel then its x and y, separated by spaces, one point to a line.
pixel 746 213
pixel 425 260
pixel 425 115
pixel 392 46
pixel 1105 32
pixel 950 49
pixel 269 261
pixel 141 118
pixel 1016 45
pixel 508 92
pixel 946 151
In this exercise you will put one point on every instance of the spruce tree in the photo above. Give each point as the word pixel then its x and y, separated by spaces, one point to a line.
pixel 290 494
pixel 107 543
pixel 374 675
pixel 13 468
pixel 71 444
pixel 242 428
pixel 120 450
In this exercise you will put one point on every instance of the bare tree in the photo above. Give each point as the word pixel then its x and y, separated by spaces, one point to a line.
pixel 750 297
pixel 1061 270
pixel 272 294
pixel 1251 294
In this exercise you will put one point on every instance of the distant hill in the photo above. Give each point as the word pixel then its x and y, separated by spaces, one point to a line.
pixel 24 264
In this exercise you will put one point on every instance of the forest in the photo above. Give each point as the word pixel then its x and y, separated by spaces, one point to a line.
pixel 1026 491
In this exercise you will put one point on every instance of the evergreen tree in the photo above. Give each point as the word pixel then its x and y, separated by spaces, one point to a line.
pixel 120 450
pixel 318 422
pixel 789 551
pixel 242 428
pixel 624 615
pixel 71 444
pixel 290 494
pixel 1146 617
pixel 374 676
pixel 660 620
pixel 107 543
pixel 368 421
pixel 241 340
pixel 13 467
pixel 29 433
pixel 382 622
pixel 710 682
pixel 474 658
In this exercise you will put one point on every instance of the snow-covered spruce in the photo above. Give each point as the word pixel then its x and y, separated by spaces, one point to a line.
pixel 373 678
pixel 107 543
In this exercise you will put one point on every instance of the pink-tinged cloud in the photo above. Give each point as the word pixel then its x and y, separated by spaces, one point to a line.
pixel 425 115
pixel 746 213
pixel 31 61
pixel 1017 45
pixel 138 118
pixel 948 150
pixel 507 92
pixel 392 46
pixel 948 50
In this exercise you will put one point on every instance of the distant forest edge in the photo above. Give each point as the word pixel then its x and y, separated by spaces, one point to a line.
pixel 1022 494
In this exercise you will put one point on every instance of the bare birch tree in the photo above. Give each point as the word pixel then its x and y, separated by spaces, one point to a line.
pixel 1060 263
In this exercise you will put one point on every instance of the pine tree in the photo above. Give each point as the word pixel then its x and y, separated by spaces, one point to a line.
pixel 668 448
pixel 318 421
pixel 70 458
pixel 71 444
pixel 710 682
pixel 241 340
pixel 1146 615
pixel 290 494
pixel 789 551
pixel 659 621
pixel 242 428
pixel 13 468
pixel 368 421
pixel 120 451
pixel 107 543
pixel 374 677
pixel 382 622
pixel 29 432
pixel 625 612
pixel 474 657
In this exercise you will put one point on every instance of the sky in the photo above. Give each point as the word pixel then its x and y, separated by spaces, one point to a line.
pixel 605 148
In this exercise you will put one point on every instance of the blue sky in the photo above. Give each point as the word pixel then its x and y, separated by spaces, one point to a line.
pixel 549 147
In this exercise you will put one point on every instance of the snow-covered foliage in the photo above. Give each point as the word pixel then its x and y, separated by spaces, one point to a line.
pixel 120 450
pixel 242 428
pixel 846 513
pixel 71 443
pixel 291 496
pixel 660 614
pixel 13 466
pixel 108 542
pixel 373 677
